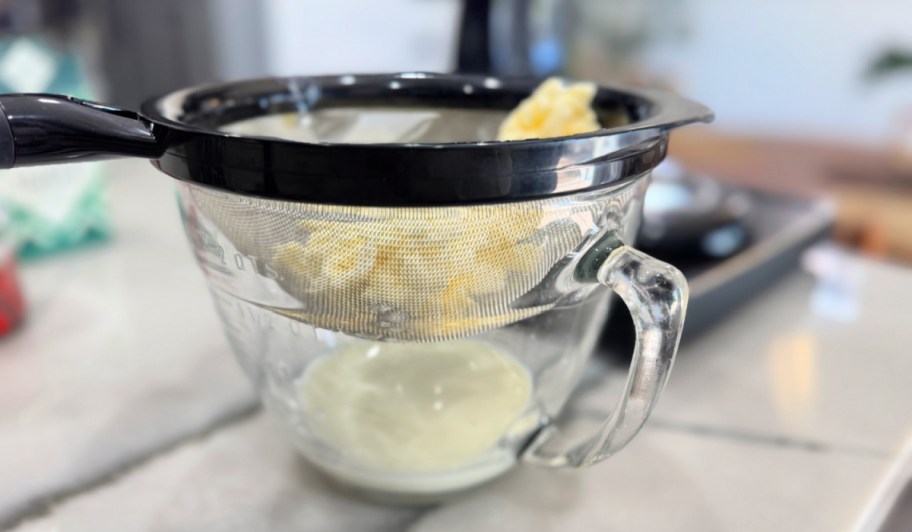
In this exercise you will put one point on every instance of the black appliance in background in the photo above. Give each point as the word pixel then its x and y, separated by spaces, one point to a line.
pixel 765 242
pixel 501 37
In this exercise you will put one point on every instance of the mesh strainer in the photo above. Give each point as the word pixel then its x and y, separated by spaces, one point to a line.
pixel 417 273
pixel 440 234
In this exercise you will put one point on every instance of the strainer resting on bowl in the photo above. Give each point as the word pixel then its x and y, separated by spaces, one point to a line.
pixel 430 232
pixel 442 233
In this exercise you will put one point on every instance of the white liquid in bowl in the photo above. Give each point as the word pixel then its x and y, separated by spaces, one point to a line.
pixel 407 409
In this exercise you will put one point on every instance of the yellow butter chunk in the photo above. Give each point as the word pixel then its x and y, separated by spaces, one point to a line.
pixel 326 260
pixel 430 273
pixel 555 109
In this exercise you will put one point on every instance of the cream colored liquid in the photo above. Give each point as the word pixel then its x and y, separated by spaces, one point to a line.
pixel 400 407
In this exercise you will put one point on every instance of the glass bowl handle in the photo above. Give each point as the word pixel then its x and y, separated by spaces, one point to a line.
pixel 656 296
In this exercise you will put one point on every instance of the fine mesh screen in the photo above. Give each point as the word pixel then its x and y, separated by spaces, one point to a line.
pixel 366 125
pixel 416 273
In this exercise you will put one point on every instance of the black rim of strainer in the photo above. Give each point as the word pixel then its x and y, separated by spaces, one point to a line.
pixel 418 174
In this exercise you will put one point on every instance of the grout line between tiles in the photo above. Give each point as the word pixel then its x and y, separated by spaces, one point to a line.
pixel 45 505
pixel 748 437
pixel 770 440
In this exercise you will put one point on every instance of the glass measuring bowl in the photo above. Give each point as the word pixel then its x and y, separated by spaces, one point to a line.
pixel 401 438
pixel 456 286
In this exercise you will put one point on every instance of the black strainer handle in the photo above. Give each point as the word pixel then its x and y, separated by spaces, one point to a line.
pixel 38 129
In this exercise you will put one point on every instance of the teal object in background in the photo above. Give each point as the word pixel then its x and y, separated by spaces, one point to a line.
pixel 51 208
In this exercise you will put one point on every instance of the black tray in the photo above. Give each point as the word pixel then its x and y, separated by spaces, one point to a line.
pixel 781 228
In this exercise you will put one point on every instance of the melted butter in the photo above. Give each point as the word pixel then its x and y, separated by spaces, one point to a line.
pixel 415 407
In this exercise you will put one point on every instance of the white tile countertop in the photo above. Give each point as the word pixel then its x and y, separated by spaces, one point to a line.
pixel 121 408
pixel 120 357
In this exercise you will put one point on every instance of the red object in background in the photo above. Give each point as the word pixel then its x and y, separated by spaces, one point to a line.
pixel 12 306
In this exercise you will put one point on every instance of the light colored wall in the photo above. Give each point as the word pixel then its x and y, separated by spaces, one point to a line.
pixel 795 65
pixel 770 66
pixel 314 36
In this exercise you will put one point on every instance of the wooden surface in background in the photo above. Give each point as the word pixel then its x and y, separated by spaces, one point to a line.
pixel 872 187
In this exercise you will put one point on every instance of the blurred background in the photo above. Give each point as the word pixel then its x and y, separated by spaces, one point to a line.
pixel 782 67
pixel 813 99
pixel 812 140
pixel 811 96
